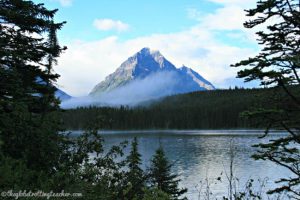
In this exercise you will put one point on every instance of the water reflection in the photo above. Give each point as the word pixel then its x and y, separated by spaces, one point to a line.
pixel 204 154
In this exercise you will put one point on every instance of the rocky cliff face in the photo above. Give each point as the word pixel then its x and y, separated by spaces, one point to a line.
pixel 147 63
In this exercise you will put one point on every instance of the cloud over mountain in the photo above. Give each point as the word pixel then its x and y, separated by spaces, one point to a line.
pixel 210 45
pixel 144 76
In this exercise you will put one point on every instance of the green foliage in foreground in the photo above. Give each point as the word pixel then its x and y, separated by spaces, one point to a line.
pixel 28 106
pixel 34 154
pixel 278 64
pixel 161 176
pixel 88 170
pixel 219 109
pixel 135 175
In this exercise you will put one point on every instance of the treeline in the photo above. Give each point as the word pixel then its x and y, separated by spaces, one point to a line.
pixel 37 159
pixel 198 110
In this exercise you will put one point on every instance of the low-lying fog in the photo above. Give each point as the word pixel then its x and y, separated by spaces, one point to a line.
pixel 139 90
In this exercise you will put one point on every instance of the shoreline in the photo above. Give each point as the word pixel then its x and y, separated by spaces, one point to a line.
pixel 209 132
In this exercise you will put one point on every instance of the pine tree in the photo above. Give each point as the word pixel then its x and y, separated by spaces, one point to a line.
pixel 28 125
pixel 135 175
pixel 277 65
pixel 34 155
pixel 161 176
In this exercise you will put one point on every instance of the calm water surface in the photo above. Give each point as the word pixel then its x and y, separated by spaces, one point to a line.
pixel 200 155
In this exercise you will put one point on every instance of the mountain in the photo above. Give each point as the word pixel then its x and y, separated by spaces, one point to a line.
pixel 147 65
pixel 61 95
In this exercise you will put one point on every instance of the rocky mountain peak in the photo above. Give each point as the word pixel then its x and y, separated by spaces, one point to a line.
pixel 145 63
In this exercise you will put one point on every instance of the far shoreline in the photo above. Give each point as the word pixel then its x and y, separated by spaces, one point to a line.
pixel 187 132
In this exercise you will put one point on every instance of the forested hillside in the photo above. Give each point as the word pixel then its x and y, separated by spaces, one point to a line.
pixel 198 110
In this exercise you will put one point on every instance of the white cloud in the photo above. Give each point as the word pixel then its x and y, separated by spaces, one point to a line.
pixel 152 87
pixel 87 63
pixel 227 18
pixel 231 17
pixel 193 13
pixel 109 24
pixel 65 3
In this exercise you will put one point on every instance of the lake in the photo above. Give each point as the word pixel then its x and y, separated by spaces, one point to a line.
pixel 205 155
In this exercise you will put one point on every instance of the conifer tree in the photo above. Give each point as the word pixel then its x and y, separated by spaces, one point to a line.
pixel 277 65
pixel 135 175
pixel 34 155
pixel 28 49
pixel 162 177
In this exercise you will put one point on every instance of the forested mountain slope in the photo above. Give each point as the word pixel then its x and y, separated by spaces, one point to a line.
pixel 216 109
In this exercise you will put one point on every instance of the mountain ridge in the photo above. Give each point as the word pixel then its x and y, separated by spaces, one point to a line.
pixel 147 62
pixel 61 95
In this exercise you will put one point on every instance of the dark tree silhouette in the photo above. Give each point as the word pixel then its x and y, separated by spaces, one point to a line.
pixel 135 175
pixel 277 65
pixel 28 129
pixel 34 154
pixel 162 177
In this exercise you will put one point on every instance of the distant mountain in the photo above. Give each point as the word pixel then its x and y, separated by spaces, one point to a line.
pixel 147 65
pixel 61 95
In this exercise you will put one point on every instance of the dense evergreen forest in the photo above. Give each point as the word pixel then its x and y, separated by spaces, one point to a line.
pixel 197 110
pixel 38 160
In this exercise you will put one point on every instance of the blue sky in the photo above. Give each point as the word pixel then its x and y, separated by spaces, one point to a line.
pixel 206 35
pixel 144 17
